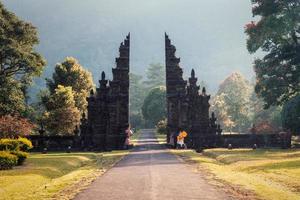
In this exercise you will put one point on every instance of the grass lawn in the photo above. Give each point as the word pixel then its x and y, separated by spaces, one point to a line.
pixel 271 174
pixel 55 175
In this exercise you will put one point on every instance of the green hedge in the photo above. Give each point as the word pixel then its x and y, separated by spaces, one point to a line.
pixel 7 160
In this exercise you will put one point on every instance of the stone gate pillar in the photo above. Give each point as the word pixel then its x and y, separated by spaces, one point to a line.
pixel 176 90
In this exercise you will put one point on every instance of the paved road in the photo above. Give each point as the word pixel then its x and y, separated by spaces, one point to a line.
pixel 150 172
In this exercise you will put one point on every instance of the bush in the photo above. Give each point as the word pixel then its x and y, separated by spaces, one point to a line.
pixel 7 160
pixel 9 145
pixel 24 144
pixel 12 126
pixel 21 156
pixel 161 127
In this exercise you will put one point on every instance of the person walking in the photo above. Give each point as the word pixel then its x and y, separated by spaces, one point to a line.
pixel 180 139
pixel 128 133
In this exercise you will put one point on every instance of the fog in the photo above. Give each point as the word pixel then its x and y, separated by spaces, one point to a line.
pixel 209 35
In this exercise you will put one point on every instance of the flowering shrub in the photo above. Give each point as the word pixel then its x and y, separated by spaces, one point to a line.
pixel 9 144
pixel 250 25
pixel 20 155
pixel 13 126
pixel 265 128
pixel 20 144
pixel 12 152
pixel 24 144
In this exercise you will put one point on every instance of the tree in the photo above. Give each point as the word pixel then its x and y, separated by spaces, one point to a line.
pixel 13 126
pixel 220 108
pixel 154 107
pixel 137 92
pixel 277 33
pixel 232 102
pixel 271 116
pixel 162 127
pixel 265 128
pixel 19 62
pixel 156 75
pixel 136 120
pixel 62 116
pixel 71 73
pixel 291 115
pixel 11 97
pixel 17 41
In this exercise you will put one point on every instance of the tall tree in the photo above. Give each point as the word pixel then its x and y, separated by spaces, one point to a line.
pixel 12 100
pixel 277 33
pixel 291 115
pixel 19 62
pixel 156 75
pixel 272 115
pixel 232 102
pixel 154 106
pixel 221 109
pixel 137 92
pixel 18 38
pixel 71 73
pixel 62 116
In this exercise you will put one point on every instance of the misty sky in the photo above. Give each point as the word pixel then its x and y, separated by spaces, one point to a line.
pixel 209 35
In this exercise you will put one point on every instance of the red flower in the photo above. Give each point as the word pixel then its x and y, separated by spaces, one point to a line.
pixel 250 25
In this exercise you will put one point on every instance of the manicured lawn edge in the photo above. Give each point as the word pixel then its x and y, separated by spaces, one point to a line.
pixel 243 173
pixel 135 137
pixel 232 190
pixel 61 177
pixel 72 190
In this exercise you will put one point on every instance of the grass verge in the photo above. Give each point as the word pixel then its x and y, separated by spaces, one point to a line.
pixel 270 174
pixel 55 175
pixel 135 137
pixel 161 138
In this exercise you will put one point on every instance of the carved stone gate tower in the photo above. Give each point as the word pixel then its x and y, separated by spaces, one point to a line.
pixel 108 107
pixel 187 108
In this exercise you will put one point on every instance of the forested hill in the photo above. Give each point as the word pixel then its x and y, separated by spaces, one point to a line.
pixel 91 31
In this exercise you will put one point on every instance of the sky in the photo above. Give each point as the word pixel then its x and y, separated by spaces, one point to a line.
pixel 209 35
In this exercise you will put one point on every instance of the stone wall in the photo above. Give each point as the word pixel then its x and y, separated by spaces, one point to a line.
pixel 279 140
pixel 55 143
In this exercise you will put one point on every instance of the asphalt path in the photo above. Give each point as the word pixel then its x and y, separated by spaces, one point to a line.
pixel 151 172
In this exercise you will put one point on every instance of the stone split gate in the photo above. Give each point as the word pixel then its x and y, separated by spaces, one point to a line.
pixel 108 106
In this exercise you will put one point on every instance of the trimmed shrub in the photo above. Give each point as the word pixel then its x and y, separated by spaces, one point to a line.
pixel 21 156
pixel 7 160
pixel 24 144
pixel 9 145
